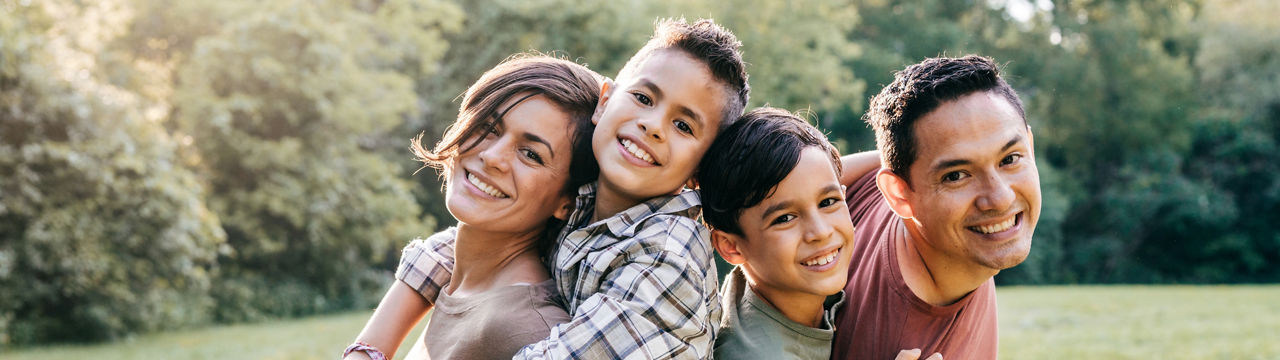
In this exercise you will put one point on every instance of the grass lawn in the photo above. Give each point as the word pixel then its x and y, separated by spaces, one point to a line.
pixel 1077 322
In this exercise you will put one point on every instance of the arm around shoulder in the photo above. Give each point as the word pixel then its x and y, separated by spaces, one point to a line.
pixel 854 166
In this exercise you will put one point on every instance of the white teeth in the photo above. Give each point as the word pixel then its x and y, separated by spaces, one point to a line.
pixel 488 189
pixel 990 229
pixel 637 151
pixel 823 260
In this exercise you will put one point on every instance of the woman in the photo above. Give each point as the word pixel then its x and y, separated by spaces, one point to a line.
pixel 512 160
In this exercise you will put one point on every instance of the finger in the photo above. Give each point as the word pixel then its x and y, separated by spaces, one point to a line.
pixel 912 354
pixel 935 356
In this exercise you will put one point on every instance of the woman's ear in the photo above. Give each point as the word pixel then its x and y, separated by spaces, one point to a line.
pixel 565 208
pixel 896 192
pixel 606 91
pixel 726 245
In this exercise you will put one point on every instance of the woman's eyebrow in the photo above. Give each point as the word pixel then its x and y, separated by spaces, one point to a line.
pixel 538 139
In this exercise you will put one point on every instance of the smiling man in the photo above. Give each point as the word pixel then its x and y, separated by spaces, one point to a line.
pixel 954 201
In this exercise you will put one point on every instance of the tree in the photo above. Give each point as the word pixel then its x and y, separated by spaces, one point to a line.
pixel 286 105
pixel 103 231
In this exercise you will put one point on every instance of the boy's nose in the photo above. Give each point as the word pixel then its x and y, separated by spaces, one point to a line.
pixel 651 126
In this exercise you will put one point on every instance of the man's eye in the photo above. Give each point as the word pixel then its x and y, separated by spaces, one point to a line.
pixel 952 176
pixel 828 202
pixel 783 219
pixel 1012 158
pixel 684 127
pixel 643 99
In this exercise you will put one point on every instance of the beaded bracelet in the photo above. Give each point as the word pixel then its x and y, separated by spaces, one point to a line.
pixel 373 352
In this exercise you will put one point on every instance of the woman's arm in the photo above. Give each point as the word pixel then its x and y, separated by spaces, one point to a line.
pixel 396 315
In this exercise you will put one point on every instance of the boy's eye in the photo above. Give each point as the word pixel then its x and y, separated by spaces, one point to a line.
pixel 684 127
pixel 953 176
pixel 643 99
pixel 1012 158
pixel 532 155
pixel 782 219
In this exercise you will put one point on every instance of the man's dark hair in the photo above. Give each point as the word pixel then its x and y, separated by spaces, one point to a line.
pixel 747 161
pixel 708 43
pixel 922 88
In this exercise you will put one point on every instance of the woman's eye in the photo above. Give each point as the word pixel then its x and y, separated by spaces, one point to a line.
pixel 684 127
pixel 532 155
pixel 783 219
pixel 643 99
pixel 952 176
pixel 1012 158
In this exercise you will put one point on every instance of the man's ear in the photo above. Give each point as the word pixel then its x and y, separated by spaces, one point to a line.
pixel 726 245
pixel 566 207
pixel 895 190
pixel 606 91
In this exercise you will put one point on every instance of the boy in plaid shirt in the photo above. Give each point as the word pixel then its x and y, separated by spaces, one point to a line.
pixel 633 264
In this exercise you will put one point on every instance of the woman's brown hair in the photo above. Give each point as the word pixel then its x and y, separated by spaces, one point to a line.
pixel 573 88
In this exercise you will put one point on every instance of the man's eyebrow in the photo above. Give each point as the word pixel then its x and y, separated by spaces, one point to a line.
pixel 538 139
pixel 957 162
pixel 772 208
pixel 1016 138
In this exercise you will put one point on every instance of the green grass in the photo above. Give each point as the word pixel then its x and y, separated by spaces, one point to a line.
pixel 320 337
pixel 1140 322
pixel 1078 322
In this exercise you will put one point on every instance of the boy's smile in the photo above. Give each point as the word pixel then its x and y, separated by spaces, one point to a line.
pixel 796 244
pixel 653 127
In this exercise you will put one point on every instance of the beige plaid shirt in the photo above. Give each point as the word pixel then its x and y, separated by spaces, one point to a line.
pixel 640 285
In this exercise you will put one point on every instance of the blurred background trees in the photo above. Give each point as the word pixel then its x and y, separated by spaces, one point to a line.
pixel 169 164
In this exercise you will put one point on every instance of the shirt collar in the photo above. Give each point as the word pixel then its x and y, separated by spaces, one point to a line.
pixel 623 224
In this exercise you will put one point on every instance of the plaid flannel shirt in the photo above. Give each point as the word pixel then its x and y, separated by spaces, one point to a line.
pixel 640 285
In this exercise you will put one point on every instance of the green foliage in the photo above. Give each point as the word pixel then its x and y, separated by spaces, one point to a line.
pixel 285 105
pixel 165 164
pixel 103 232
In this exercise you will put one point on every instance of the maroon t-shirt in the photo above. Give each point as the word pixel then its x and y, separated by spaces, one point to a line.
pixel 881 315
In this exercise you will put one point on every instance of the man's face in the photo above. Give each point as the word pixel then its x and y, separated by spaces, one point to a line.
pixel 655 124
pixel 975 191
pixel 798 241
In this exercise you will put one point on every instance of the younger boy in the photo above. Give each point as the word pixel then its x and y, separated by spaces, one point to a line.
pixel 772 197
pixel 632 263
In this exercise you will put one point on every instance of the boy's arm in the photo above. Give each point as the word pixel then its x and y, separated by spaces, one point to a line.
pixel 854 166
pixel 654 305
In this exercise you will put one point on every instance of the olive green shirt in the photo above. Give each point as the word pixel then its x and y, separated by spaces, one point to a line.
pixel 752 329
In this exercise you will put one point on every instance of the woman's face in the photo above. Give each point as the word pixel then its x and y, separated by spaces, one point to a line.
pixel 512 180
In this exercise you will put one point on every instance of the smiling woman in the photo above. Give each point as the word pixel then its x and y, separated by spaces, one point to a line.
pixel 511 161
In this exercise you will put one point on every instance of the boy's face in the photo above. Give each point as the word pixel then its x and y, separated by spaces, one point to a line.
pixel 653 126
pixel 798 241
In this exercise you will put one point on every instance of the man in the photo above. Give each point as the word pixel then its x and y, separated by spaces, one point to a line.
pixel 956 200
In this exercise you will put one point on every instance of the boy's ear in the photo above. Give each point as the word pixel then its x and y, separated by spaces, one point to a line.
pixel 566 207
pixel 726 245
pixel 896 191
pixel 606 91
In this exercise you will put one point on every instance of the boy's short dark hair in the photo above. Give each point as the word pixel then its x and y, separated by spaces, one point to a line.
pixel 708 43
pixel 747 161
pixel 921 88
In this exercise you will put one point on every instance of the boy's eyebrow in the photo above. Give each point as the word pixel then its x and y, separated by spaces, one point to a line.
pixel 957 162
pixel 538 139
pixel 764 216
pixel 657 95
